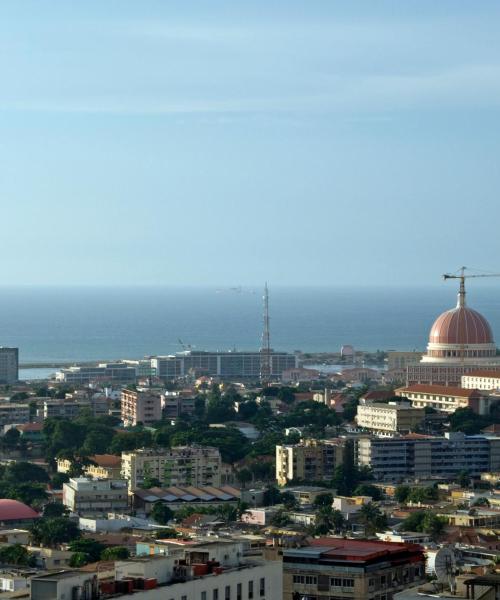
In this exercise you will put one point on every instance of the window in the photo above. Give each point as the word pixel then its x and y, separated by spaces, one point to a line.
pixel 184 598
pixel 348 583
pixel 203 595
pixel 215 594
pixel 250 590
pixel 227 593
pixel 336 582
pixel 262 587
pixel 238 591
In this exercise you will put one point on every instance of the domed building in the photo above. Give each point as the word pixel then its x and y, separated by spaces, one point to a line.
pixel 460 342
pixel 461 335
pixel 14 513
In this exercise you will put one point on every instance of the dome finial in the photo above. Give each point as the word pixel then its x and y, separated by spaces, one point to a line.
pixel 461 293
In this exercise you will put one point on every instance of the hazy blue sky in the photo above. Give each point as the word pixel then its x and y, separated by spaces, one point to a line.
pixel 228 142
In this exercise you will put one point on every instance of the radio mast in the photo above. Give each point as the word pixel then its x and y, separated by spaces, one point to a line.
pixel 265 350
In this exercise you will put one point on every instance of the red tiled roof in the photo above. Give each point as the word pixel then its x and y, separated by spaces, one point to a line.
pixel 30 427
pixel 361 550
pixel 13 510
pixel 437 389
pixel 106 460
pixel 483 373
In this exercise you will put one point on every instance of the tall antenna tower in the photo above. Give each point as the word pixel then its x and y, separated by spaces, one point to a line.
pixel 265 350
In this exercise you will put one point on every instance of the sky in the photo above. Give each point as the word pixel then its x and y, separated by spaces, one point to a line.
pixel 224 143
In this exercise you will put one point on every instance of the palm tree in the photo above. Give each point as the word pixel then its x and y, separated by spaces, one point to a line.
pixel 372 518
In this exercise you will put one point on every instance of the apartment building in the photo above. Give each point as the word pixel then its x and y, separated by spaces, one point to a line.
pixel 445 398
pixel 140 407
pixel 13 413
pixel 83 495
pixel 417 456
pixel 179 466
pixel 390 417
pixel 175 405
pixel 9 365
pixel 226 365
pixel 310 460
pixel 64 408
pixel 343 568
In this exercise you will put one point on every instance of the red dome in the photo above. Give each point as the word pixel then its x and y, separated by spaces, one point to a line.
pixel 461 325
pixel 13 510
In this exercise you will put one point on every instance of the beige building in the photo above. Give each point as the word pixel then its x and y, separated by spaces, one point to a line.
pixel 310 461
pixel 342 568
pixel 106 466
pixel 139 407
pixel 482 380
pixel 400 360
pixel 389 417
pixel 445 398
pixel 179 466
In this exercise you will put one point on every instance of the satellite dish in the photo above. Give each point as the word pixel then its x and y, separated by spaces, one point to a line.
pixel 442 564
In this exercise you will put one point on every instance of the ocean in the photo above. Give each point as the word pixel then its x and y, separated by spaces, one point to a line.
pixel 91 323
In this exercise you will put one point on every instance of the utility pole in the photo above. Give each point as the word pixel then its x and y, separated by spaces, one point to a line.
pixel 265 350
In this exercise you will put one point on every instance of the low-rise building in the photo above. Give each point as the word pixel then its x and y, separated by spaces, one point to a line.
pixel 445 398
pixel 344 568
pixel 482 380
pixel 310 460
pixel 104 372
pixel 83 495
pixel 140 407
pixel 104 466
pixel 179 466
pixel 175 405
pixel 179 497
pixel 350 505
pixel 390 417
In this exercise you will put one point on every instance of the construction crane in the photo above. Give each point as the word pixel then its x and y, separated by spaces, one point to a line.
pixel 460 274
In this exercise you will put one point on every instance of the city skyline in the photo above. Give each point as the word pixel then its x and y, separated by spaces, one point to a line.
pixel 310 143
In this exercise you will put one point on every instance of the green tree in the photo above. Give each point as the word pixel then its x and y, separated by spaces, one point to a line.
pixel 244 476
pixel 161 513
pixel 365 489
pixel 289 501
pixel 286 395
pixel 55 509
pixel 328 520
pixel 54 531
pixel 280 519
pixel 25 471
pixel 91 548
pixel 402 493
pixel 372 518
pixel 10 439
pixel 79 559
pixel 322 500
pixel 272 496
pixel 15 554
pixel 115 553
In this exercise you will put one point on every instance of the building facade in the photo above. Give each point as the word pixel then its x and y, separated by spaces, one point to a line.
pixel 13 413
pixel 83 495
pixel 342 568
pixel 179 466
pixel 445 398
pixel 104 372
pixel 9 365
pixel 311 460
pixel 389 417
pixel 482 380
pixel 226 365
pixel 420 456
pixel 140 407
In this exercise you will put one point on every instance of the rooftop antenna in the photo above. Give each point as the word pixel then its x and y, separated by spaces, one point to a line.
pixel 265 350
